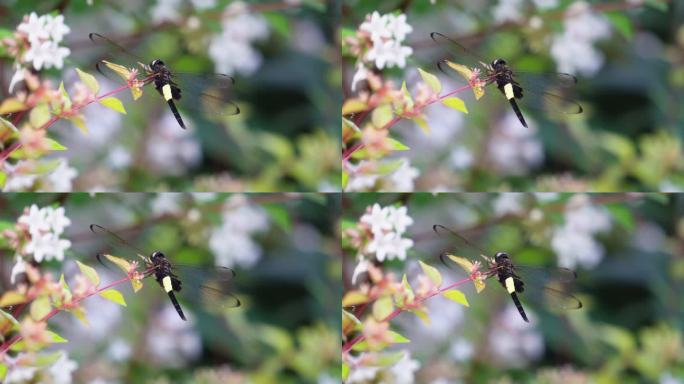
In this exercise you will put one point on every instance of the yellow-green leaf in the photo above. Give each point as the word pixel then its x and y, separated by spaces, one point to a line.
pixel 407 96
pixel 397 145
pixel 354 298
pixel 113 295
pixel 65 96
pixel 431 80
pixel 455 103
pixel 457 296
pixel 12 298
pixel 422 124
pixel 9 318
pixel 345 179
pixel 423 316
pixel 398 338
pixel 79 313
pixel 345 371
pixel 39 115
pixel 12 105
pixel 467 73
pixel 89 272
pixel 6 125
pixel 54 145
pixel 40 307
pixel 382 308
pixel 382 115
pixel 89 80
pixel 55 338
pixel 113 103
pixel 432 273
pixel 3 179
pixel 353 106
pixel 79 122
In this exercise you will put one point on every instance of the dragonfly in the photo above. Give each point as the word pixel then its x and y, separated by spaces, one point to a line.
pixel 547 283
pixel 212 283
pixel 206 94
pixel 530 89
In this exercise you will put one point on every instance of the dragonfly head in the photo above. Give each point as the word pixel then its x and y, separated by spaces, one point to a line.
pixel 156 65
pixel 156 256
pixel 498 64
pixel 501 256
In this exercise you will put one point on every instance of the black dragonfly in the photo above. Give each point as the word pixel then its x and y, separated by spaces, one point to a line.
pixel 544 284
pixel 210 283
pixel 206 94
pixel 527 88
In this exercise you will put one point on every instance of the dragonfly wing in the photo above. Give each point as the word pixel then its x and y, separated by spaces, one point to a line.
pixel 211 284
pixel 559 299
pixel 545 274
pixel 543 80
pixel 549 102
pixel 207 94
pixel 117 246
pixel 456 52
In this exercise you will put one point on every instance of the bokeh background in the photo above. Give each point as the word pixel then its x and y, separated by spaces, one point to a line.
pixel 279 52
pixel 626 250
pixel 627 56
pixel 284 250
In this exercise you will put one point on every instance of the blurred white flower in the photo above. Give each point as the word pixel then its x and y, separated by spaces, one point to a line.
pixel 171 150
pixel 46 54
pixel 509 203
pixel 514 149
pixel 546 4
pixel 668 378
pixel 512 341
pixel 461 158
pixel 582 215
pixel 649 237
pixel 401 180
pixel 546 197
pixel 507 10
pixel 389 245
pixel 171 342
pixel 17 178
pixel 34 27
pixel 18 374
pixel 18 268
pixel 62 369
pixel 361 267
pixel 119 157
pixel 45 225
pixel 360 75
pixel 168 203
pixel 361 177
pixel 405 369
pixel 232 50
pixel 376 26
pixel 399 218
pixel 461 350
pixel 360 374
pixel 398 27
pixel 204 197
pixel 166 10
pixel 44 34
pixel 203 4
pixel 60 180
pixel 387 225
pixel 18 77
pixel 388 54
pixel 55 27
pixel 35 219
pixel 377 218
pixel 119 350
pixel 386 32
pixel 56 219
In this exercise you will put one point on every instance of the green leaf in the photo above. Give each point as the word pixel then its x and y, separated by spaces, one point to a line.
pixel 65 96
pixel 397 338
pixel 621 22
pixel 397 145
pixel 432 273
pixel 12 298
pixel 622 215
pixel 382 115
pixel 6 125
pixel 422 123
pixel 12 105
pixel 280 216
pixel 8 316
pixel 113 295
pixel 431 80
pixel 353 106
pixel 113 103
pixel 455 103
pixel 354 298
pixel 3 371
pixel 345 179
pixel 407 96
pixel 89 272
pixel 39 115
pixel 3 179
pixel 89 80
pixel 53 145
pixel 345 371
pixel 40 307
pixel 79 122
pixel 382 308
pixel 55 338
pixel 457 296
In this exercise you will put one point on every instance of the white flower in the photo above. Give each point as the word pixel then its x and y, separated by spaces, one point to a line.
pixel 546 4
pixel 361 267
pixel 119 157
pixel 16 373
pixel 18 268
pixel 171 150
pixel 509 203
pixel 461 158
pixel 167 204
pixel 204 197
pixel 461 350
pixel 358 374
pixel 57 220
pixel 514 149
pixel 60 180
pixel 582 216
pixel 377 219
pixel 389 245
pixel 119 350
pixel 34 28
pixel 388 53
pixel 508 10
pixel 62 369
pixel 56 28
pixel 398 27
pixel 405 369
pixel 402 179
pixel 170 340
pixel 399 218
pixel 584 24
pixel 360 75
pixel 16 78
pixel 166 10
pixel 513 341
pixel 575 248
pixel 35 220
pixel 376 26
pixel 575 56
pixel 240 215
pixel 203 4
pixel 668 378
pixel 361 182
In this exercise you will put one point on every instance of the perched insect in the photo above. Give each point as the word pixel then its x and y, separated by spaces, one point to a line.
pixel 206 94
pixel 526 88
pixel 210 282
pixel 547 284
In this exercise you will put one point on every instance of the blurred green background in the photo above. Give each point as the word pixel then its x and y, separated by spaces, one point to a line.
pixel 626 250
pixel 627 55
pixel 281 56
pixel 283 249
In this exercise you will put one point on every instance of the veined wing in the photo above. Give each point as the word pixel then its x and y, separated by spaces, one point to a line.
pixel 210 94
pixel 461 246
pixel 211 284
pixel 548 102
pixel 456 52
pixel 545 80
pixel 116 246
pixel 113 51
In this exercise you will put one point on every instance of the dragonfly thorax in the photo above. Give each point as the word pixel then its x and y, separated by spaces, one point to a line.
pixel 498 64
pixel 157 65
pixel 157 256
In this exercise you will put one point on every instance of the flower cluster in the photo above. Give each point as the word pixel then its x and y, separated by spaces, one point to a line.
pixel 573 50
pixel 232 49
pixel 36 42
pixel 368 367
pixel 379 234
pixel 26 367
pixel 232 242
pixel 365 176
pixel 378 41
pixel 22 176
pixel 574 241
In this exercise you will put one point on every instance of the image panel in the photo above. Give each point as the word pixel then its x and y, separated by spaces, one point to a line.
pixel 169 288
pixel 508 95
pixel 177 95
pixel 512 288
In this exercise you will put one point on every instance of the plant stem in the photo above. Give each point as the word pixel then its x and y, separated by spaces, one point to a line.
pixel 350 344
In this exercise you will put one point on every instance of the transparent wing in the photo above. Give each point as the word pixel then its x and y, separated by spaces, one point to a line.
pixel 549 286
pixel 546 274
pixel 548 102
pixel 113 51
pixel 211 284
pixel 461 246
pixel 456 52
pixel 545 79
pixel 116 246
pixel 210 94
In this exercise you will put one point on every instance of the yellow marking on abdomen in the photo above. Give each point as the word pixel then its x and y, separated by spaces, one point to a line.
pixel 508 91
pixel 166 92
pixel 166 283
pixel 510 284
